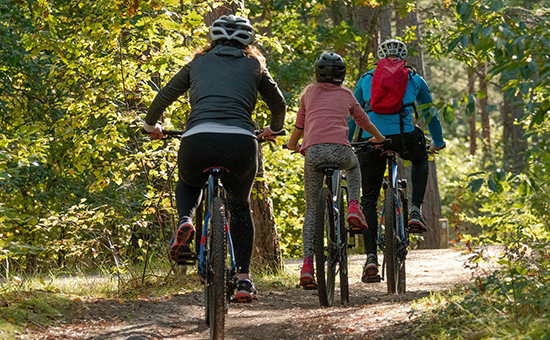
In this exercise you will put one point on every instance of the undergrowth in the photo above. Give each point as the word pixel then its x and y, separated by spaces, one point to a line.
pixel 512 302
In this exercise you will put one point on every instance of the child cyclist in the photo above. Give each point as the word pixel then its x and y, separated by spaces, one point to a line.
pixel 322 122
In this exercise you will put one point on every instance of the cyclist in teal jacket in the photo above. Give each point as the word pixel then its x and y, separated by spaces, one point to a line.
pixel 408 141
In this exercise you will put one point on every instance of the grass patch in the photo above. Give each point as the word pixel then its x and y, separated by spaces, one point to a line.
pixel 22 310
pixel 503 305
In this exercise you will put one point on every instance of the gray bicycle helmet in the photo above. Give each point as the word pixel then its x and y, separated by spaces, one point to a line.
pixel 232 27
pixel 330 68
pixel 392 47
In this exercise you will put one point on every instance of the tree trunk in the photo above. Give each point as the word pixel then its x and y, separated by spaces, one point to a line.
pixel 267 251
pixel 365 19
pixel 485 123
pixel 514 144
pixel 431 209
pixel 228 7
pixel 473 132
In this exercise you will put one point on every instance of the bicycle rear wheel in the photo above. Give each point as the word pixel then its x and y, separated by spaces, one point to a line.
pixel 215 293
pixel 343 252
pixel 324 248
pixel 390 239
pixel 401 256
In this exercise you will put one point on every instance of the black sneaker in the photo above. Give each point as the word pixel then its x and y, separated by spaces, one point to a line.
pixel 416 223
pixel 370 269
pixel 180 252
pixel 246 291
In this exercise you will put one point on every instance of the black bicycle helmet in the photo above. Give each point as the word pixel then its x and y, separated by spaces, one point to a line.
pixel 330 68
pixel 232 27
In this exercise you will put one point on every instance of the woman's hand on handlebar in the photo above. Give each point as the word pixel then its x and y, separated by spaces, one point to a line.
pixel 267 134
pixel 156 133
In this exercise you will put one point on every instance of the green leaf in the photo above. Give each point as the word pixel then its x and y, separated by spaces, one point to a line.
pixel 476 184
pixel 523 189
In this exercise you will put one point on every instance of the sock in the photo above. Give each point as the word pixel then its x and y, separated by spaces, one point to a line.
pixel 415 208
pixel 353 203
pixel 308 261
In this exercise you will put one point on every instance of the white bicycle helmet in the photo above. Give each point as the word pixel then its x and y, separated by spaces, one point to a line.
pixel 392 47
pixel 232 27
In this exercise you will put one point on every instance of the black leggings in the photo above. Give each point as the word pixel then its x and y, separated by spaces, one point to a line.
pixel 236 153
pixel 373 167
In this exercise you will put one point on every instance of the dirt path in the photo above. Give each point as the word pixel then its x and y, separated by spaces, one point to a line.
pixel 279 314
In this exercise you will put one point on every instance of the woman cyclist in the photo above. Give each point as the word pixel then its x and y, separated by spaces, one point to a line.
pixel 322 121
pixel 223 81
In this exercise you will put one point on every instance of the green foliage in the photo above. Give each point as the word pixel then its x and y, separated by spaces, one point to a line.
pixel 512 302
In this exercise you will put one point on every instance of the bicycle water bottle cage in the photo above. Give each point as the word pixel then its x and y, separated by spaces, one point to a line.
pixel 327 168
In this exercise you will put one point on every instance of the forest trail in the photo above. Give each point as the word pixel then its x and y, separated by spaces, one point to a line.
pixel 279 313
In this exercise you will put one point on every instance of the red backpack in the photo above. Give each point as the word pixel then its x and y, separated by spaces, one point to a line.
pixel 389 83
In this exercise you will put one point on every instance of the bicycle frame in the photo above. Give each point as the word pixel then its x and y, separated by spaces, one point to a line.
pixel 331 236
pixel 214 188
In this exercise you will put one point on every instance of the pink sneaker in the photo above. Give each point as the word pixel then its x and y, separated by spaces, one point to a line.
pixel 356 218
pixel 307 275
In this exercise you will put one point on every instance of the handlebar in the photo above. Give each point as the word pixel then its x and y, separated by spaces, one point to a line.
pixel 370 145
pixel 384 146
pixel 179 133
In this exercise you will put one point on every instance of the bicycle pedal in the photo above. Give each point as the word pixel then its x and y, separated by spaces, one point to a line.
pixel 374 279
pixel 310 286
pixel 415 230
pixel 356 230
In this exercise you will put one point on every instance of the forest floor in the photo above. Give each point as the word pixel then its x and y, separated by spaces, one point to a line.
pixel 280 313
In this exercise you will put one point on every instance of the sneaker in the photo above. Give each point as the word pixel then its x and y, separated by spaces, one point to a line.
pixel 179 245
pixel 370 269
pixel 416 223
pixel 356 218
pixel 246 291
pixel 307 277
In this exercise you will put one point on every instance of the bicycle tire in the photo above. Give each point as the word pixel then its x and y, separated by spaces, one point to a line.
pixel 401 277
pixel 390 249
pixel 402 253
pixel 215 291
pixel 324 249
pixel 343 255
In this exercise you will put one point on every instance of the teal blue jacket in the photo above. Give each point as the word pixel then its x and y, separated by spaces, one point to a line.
pixel 417 91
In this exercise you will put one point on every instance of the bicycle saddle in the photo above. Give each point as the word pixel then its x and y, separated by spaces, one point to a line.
pixel 326 166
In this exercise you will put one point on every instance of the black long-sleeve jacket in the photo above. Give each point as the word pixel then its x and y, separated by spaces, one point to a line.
pixel 223 87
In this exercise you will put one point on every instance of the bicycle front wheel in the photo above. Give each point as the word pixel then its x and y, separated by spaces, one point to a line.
pixel 215 293
pixel 324 248
pixel 390 239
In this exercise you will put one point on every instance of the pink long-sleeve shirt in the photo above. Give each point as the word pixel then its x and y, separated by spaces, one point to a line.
pixel 323 115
